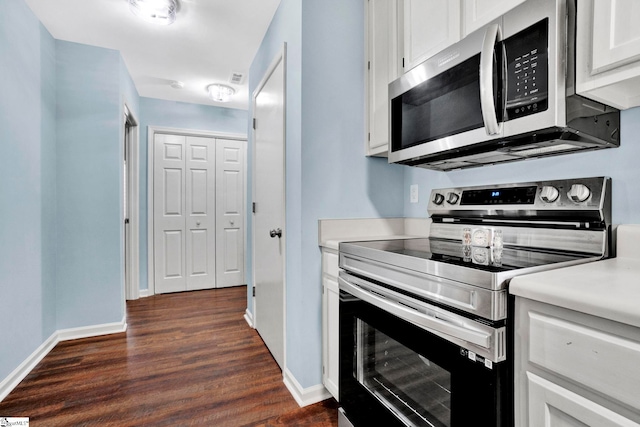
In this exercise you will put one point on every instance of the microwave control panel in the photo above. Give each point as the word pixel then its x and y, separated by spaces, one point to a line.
pixel 527 80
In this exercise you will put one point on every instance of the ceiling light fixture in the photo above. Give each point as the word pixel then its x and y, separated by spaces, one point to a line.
pixel 161 12
pixel 220 93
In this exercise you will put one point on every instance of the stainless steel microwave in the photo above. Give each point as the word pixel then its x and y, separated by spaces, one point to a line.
pixel 505 92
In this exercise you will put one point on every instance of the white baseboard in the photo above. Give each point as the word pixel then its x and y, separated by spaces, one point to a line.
pixel 92 331
pixel 304 396
pixel 18 374
pixel 144 293
pixel 248 317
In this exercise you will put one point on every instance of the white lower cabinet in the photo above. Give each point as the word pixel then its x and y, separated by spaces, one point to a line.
pixel 574 369
pixel 554 406
pixel 330 331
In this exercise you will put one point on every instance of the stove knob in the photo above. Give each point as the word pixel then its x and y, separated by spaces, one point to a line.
pixel 549 194
pixel 579 193
pixel 452 198
pixel 438 199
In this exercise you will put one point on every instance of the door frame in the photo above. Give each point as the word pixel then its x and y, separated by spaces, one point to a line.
pixel 280 57
pixel 151 133
pixel 132 244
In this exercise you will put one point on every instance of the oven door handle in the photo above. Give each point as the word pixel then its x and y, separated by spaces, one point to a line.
pixel 423 320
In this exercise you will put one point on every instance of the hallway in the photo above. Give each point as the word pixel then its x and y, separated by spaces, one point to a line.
pixel 186 359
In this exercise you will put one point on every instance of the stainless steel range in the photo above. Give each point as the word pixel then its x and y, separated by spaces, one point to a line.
pixel 425 323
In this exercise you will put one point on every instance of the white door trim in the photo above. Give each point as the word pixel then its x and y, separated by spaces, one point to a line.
pixel 132 282
pixel 151 133
pixel 281 57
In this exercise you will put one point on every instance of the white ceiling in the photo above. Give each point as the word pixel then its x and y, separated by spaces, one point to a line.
pixel 209 40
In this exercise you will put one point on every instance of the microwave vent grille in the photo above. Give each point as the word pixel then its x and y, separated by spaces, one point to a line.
pixel 540 151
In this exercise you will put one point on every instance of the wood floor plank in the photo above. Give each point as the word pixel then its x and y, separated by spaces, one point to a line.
pixel 185 359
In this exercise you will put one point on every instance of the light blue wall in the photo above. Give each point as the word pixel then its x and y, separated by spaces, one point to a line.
pixel 338 181
pixel 61 127
pixel 89 186
pixel 179 115
pixel 48 156
pixel 621 164
pixel 27 166
pixel 327 174
pixel 61 232
pixel 128 92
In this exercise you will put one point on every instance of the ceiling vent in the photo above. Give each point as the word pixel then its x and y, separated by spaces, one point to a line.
pixel 236 78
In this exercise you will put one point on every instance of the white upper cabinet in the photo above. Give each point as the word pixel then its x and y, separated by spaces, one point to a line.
pixel 381 69
pixel 477 13
pixel 608 51
pixel 616 34
pixel 429 27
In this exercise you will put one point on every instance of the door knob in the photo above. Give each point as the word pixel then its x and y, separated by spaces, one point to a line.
pixel 276 232
pixel 197 223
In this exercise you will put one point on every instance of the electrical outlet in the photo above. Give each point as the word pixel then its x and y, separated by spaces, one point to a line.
pixel 413 193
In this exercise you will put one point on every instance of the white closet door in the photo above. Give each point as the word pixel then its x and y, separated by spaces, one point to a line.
pixel 169 213
pixel 230 173
pixel 184 213
pixel 201 213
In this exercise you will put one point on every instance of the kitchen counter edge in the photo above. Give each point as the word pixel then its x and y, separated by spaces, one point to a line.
pixel 609 288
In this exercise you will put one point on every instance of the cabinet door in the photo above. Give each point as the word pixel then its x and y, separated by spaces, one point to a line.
pixel 382 68
pixel 608 52
pixel 330 331
pixel 616 33
pixel 478 13
pixel 331 297
pixel 429 27
pixel 553 406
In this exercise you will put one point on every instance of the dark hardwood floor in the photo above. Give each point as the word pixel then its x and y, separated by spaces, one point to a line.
pixel 187 359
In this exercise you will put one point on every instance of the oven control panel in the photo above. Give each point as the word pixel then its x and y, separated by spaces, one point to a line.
pixel 544 198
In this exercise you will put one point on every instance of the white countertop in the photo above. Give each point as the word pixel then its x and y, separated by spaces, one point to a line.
pixel 609 289
pixel 333 231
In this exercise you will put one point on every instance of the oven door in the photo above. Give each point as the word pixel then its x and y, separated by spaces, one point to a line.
pixel 395 373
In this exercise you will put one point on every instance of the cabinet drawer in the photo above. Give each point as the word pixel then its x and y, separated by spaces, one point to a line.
pixel 330 263
pixel 553 406
pixel 602 361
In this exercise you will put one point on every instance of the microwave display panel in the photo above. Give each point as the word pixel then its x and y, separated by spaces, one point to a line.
pixel 527 71
pixel 441 106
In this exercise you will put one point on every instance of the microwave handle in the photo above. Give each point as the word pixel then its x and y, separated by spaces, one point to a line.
pixel 486 80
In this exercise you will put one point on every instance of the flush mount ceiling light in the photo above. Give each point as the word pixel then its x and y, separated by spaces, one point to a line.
pixel 220 93
pixel 161 12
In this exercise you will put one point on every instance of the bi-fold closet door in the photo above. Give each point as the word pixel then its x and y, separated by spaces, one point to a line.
pixel 198 213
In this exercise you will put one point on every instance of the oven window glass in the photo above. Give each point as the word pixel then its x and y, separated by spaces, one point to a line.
pixel 410 385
